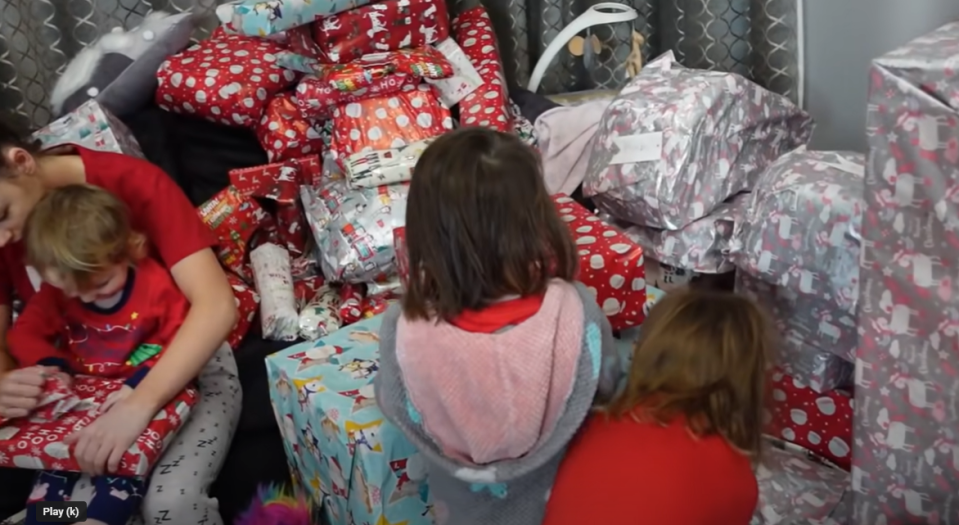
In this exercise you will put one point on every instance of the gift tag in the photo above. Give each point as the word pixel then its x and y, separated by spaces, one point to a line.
pixel 465 78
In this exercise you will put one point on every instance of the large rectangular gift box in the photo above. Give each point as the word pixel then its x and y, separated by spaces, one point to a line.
pixel 342 451
pixel 340 448
pixel 905 466
pixel 92 127
pixel 36 442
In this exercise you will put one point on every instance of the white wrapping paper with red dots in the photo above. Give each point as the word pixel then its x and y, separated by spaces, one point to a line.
pixel 389 122
pixel 487 105
pixel 821 423
pixel 273 275
pixel 610 265
pixel 228 79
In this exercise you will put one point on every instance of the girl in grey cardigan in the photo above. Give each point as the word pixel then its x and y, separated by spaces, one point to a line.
pixel 491 363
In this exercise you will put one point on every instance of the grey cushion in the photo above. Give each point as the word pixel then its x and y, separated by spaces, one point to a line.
pixel 119 70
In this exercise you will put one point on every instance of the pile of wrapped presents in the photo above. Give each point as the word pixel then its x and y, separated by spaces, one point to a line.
pixel 686 176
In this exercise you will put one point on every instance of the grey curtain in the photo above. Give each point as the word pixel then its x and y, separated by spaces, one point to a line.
pixel 755 38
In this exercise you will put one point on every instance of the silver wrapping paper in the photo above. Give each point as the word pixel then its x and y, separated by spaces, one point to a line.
pixel 92 127
pixel 817 339
pixel 802 226
pixel 353 228
pixel 273 276
pixel 319 317
pixel 906 459
pixel 677 142
pixel 702 246
pixel 379 168
pixel 795 489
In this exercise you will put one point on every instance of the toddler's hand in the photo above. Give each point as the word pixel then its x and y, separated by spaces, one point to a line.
pixel 115 398
pixel 52 371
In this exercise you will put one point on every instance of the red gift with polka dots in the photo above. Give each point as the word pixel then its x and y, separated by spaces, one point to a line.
pixel 389 122
pixel 610 264
pixel 284 133
pixel 229 79
pixel 821 423
pixel 488 105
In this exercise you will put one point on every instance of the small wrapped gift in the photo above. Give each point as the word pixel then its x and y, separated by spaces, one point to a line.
pixel 234 219
pixel 320 316
pixel 274 282
pixel 90 126
pixel 821 423
pixel 379 168
pixel 36 442
pixel 385 26
pixel 389 122
pixel 796 488
pixel 285 133
pixel 610 264
pixel 342 449
pixel 354 228
pixel 315 97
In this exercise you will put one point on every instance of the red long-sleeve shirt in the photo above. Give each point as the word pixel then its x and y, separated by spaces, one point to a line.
pixel 158 209
pixel 122 341
pixel 624 472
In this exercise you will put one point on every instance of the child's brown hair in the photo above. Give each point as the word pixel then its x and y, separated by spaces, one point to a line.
pixel 703 356
pixel 480 225
pixel 79 231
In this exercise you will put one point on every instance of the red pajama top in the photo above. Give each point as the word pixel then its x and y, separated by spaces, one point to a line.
pixel 158 208
pixel 625 472
pixel 122 341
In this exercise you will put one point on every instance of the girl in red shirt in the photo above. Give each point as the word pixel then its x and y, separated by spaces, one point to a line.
pixel 679 444
pixel 181 243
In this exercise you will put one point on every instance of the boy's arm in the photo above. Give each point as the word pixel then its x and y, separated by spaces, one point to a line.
pixel 170 307
pixel 32 339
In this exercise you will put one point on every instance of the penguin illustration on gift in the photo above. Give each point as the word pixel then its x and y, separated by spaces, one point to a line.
pixel 360 368
pixel 310 440
pixel 306 388
pixel 320 355
pixel 365 434
pixel 329 429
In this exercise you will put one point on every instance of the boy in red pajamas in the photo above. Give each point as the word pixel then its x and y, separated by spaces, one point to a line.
pixel 104 310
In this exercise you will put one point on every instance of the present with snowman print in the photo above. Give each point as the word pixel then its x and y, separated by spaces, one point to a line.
pixel 344 454
pixel 36 441
pixel 610 264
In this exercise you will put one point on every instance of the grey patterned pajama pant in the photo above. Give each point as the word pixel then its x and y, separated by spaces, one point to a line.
pixel 179 487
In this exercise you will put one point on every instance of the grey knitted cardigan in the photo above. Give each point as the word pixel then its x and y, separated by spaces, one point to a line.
pixel 509 492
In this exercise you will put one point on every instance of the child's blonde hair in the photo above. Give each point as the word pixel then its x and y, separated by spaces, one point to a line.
pixel 79 231
pixel 703 356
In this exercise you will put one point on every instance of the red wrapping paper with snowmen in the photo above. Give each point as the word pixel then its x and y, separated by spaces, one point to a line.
pixel 228 79
pixel 285 134
pixel 821 423
pixel 383 26
pixel 247 305
pixel 610 264
pixel 389 122
pixel 280 182
pixel 488 105
pixel 37 442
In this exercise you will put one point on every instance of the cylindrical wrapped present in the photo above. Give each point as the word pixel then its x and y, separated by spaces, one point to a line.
pixel 320 316
pixel 274 281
